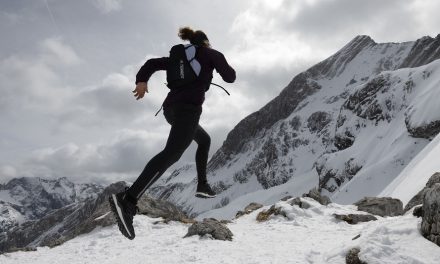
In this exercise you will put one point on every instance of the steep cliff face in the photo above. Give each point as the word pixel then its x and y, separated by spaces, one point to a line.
pixel 357 117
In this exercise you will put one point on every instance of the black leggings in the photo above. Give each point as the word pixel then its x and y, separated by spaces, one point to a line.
pixel 184 121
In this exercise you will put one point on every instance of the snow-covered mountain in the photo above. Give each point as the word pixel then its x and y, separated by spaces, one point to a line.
pixel 349 124
pixel 23 199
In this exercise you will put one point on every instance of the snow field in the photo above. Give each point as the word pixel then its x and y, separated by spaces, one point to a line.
pixel 416 174
pixel 305 236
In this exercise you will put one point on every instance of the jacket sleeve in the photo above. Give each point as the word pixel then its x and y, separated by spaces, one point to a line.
pixel 223 68
pixel 150 67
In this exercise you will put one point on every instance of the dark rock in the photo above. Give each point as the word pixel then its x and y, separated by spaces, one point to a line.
pixel 295 123
pixel 302 204
pixel 273 210
pixel 424 51
pixel 286 198
pixel 249 209
pixel 316 195
pixel 318 120
pixel 431 214
pixel 353 219
pixel 353 257
pixel 418 198
pixel 344 141
pixel 364 103
pixel 212 227
pixel 382 206
pixel 252 207
pixel 428 131
pixel 225 222
pixel 332 178
pixel 267 157
pixel 161 208
pixel 418 211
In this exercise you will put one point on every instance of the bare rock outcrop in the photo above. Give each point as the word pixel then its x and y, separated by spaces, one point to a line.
pixel 382 206
pixel 418 198
pixel 431 214
pixel 210 227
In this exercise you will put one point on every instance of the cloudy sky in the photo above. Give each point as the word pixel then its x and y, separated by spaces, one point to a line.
pixel 67 69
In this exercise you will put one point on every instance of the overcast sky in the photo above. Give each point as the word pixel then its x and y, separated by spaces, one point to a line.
pixel 67 69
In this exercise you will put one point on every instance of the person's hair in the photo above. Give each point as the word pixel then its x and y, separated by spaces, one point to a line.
pixel 197 37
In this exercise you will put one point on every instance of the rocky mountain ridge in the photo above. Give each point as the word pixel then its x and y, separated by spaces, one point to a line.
pixel 355 119
pixel 24 199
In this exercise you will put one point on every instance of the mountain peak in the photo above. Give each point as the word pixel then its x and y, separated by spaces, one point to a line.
pixel 361 39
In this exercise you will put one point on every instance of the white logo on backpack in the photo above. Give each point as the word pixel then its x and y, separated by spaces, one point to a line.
pixel 182 71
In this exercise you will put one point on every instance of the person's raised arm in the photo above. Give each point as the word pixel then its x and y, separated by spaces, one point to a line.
pixel 144 74
pixel 223 68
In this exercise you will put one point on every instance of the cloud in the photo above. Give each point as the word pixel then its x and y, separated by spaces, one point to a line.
pixel 32 82
pixel 7 172
pixel 10 18
pixel 108 6
pixel 120 158
pixel 56 52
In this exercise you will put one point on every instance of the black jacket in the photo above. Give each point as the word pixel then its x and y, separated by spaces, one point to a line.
pixel 209 60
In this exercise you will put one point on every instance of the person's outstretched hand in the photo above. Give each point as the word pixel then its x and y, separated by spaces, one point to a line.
pixel 140 90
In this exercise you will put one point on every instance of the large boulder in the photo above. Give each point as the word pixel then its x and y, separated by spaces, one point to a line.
pixel 431 214
pixel 418 198
pixel 211 227
pixel 161 208
pixel 382 206
pixel 428 131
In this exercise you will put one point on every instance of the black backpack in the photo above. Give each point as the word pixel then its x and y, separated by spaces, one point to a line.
pixel 179 70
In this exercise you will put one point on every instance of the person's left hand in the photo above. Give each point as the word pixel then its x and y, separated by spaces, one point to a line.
pixel 140 90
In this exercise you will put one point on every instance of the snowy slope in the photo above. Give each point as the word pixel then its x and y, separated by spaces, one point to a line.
pixel 415 176
pixel 349 125
pixel 306 236
pixel 387 147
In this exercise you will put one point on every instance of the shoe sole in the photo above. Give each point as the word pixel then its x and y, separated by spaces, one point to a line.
pixel 204 195
pixel 117 212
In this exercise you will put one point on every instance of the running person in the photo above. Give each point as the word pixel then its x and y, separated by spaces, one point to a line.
pixel 182 109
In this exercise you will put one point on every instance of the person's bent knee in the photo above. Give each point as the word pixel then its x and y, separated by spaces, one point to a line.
pixel 173 156
pixel 206 141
